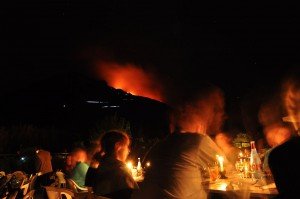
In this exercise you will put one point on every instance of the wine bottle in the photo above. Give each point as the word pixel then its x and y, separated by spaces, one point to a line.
pixel 255 162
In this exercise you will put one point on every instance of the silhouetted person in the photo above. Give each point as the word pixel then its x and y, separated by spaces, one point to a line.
pixel 35 160
pixel 90 174
pixel 284 159
pixel 79 166
pixel 92 150
pixel 276 135
pixel 45 158
pixel 67 169
pixel 177 161
pixel 112 178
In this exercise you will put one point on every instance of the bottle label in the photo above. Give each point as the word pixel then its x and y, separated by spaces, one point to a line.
pixel 252 145
pixel 256 167
pixel 255 162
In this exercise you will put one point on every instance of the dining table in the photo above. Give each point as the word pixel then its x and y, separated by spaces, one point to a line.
pixel 237 187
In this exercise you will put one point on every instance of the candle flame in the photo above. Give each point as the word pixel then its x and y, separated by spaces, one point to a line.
pixel 221 162
pixel 148 164
pixel 241 154
pixel 129 165
pixel 223 186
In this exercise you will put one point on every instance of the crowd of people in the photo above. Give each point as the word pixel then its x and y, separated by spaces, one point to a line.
pixel 177 160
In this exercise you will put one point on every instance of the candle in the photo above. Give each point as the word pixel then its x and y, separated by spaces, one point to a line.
pixel 148 164
pixel 223 186
pixel 129 165
pixel 240 154
pixel 221 162
pixel 132 169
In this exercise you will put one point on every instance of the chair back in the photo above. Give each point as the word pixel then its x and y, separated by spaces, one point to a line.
pixel 32 181
pixel 29 186
pixel 57 193
pixel 25 188
pixel 75 187
pixel 61 179
pixel 29 195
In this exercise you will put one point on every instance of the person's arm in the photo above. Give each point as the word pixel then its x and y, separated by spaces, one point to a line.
pixel 209 150
pixel 129 185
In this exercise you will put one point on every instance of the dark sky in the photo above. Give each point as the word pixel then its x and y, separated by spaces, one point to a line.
pixel 238 47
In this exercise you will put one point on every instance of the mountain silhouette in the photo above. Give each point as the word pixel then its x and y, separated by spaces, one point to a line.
pixel 74 103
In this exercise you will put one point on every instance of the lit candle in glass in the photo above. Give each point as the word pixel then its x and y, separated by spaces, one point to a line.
pixel 241 154
pixel 148 164
pixel 221 162
pixel 132 169
pixel 129 165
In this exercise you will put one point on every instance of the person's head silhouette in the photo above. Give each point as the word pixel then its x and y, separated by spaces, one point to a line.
pixel 200 112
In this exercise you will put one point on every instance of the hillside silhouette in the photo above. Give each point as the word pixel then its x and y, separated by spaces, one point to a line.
pixel 67 108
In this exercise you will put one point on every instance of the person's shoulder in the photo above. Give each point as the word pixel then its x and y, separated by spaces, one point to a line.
pixel 290 147
pixel 295 140
pixel 82 165
pixel 124 169
pixel 291 143
pixel 188 135
pixel 206 138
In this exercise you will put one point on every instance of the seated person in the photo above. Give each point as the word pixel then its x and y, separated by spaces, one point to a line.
pixel 44 168
pixel 38 160
pixel 89 179
pixel 283 159
pixel 112 178
pixel 283 164
pixel 276 135
pixel 80 167
pixel 45 161
pixel 68 167
pixel 177 161
pixel 92 151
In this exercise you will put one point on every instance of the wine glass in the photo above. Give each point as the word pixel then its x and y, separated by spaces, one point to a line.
pixel 239 166
pixel 214 172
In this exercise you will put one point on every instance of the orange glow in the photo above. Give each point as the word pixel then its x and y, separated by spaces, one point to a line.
pixel 292 103
pixel 130 78
pixel 224 141
pixel 204 115
pixel 277 134
pixel 291 97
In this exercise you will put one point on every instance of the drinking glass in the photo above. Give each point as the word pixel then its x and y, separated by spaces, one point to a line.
pixel 205 173
pixel 214 172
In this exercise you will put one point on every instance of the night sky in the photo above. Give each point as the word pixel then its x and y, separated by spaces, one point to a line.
pixel 244 49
